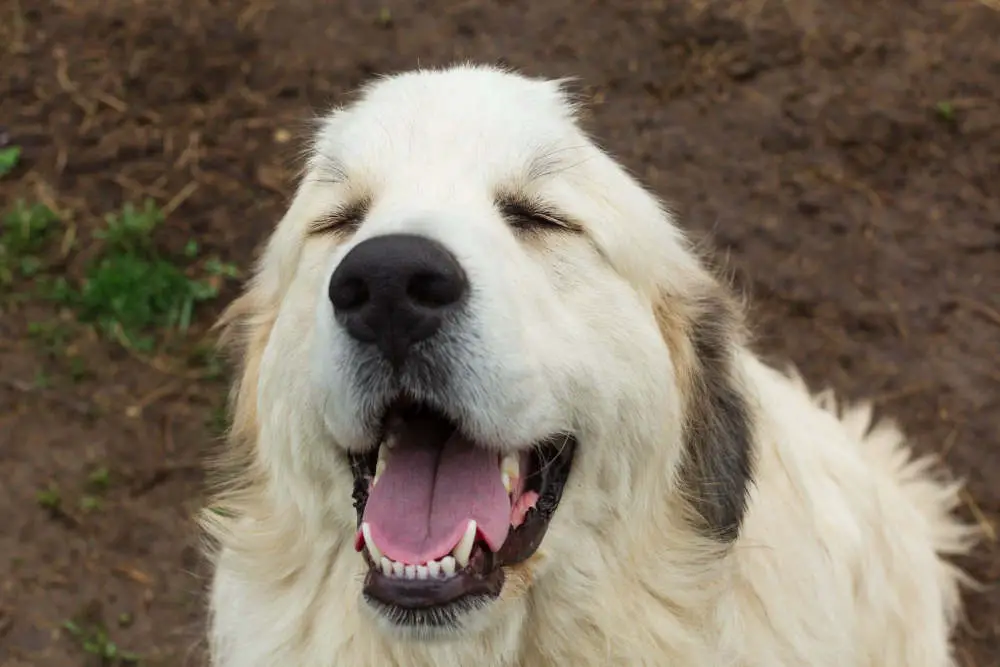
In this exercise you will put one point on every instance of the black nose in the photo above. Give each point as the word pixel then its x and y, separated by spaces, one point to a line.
pixel 395 290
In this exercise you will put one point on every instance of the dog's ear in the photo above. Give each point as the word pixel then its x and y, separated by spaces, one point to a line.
pixel 716 473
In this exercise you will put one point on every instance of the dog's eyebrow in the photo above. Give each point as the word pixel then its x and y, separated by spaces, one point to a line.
pixel 551 160
pixel 329 169
pixel 548 161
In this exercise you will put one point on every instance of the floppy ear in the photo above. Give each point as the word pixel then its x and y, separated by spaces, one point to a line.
pixel 718 458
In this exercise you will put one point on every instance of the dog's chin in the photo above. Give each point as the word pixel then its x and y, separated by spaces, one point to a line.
pixel 464 618
pixel 444 523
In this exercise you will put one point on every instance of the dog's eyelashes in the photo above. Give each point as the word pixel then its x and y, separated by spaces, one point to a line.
pixel 344 219
pixel 528 217
pixel 333 223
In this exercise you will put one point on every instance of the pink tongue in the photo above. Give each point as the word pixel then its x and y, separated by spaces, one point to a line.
pixel 425 497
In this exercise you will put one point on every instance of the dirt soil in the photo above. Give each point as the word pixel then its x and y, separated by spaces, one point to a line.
pixel 843 156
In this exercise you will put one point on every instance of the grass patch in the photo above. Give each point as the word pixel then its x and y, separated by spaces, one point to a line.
pixel 24 234
pixel 10 156
pixel 132 289
pixel 91 503
pixel 54 339
pixel 49 498
pixel 99 480
pixel 97 484
pixel 945 111
pixel 95 641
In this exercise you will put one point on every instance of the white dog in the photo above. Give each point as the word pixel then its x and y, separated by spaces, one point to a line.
pixel 493 410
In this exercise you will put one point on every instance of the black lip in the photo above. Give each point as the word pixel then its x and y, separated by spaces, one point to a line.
pixel 481 578
pixel 439 602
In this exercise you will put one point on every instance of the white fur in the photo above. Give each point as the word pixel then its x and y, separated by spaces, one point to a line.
pixel 839 561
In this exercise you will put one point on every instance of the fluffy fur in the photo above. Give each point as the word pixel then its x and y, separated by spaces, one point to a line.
pixel 717 514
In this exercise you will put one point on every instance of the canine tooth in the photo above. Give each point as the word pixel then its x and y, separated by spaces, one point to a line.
pixel 386 566
pixel 410 571
pixel 434 569
pixel 510 466
pixel 505 478
pixel 422 572
pixel 448 566
pixel 463 549
pixel 397 568
pixel 373 550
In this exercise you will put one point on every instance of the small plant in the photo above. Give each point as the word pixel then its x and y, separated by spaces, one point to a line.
pixel 54 339
pixel 130 232
pixel 132 288
pixel 99 480
pixel 90 503
pixel 94 640
pixel 9 158
pixel 945 111
pixel 24 232
pixel 50 499
pixel 51 337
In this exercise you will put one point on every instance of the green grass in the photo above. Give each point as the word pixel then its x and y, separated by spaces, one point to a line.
pixel 10 156
pixel 50 498
pixel 91 503
pixel 54 339
pixel 95 641
pixel 25 232
pixel 99 479
pixel 945 111
pixel 132 289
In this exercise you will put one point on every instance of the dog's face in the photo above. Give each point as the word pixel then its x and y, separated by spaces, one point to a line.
pixel 480 348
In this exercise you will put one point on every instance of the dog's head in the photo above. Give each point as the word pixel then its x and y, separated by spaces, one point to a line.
pixel 477 349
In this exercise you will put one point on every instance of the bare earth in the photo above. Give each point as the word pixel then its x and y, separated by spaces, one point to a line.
pixel 844 156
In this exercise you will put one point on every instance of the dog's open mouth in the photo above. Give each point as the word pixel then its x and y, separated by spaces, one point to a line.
pixel 439 516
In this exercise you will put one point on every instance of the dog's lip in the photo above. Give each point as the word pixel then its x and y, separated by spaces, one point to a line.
pixel 483 577
pixel 416 594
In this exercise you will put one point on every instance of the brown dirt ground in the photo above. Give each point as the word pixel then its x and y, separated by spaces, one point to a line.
pixel 808 137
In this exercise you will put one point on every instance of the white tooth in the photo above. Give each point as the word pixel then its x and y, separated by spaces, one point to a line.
pixel 422 572
pixel 386 566
pixel 510 466
pixel 410 571
pixel 397 568
pixel 505 478
pixel 370 543
pixel 448 566
pixel 434 569
pixel 463 549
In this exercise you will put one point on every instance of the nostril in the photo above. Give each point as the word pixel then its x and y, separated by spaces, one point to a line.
pixel 434 289
pixel 349 294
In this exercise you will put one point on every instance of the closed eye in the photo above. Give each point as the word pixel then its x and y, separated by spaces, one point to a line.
pixel 526 214
pixel 344 219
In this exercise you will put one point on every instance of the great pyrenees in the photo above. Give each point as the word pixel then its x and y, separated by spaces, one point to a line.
pixel 492 409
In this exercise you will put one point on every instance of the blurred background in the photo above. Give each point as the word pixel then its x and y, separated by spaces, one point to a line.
pixel 843 157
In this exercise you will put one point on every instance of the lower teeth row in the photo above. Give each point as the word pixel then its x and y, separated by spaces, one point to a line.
pixel 435 569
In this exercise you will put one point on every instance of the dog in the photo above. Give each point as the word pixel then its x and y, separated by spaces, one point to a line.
pixel 492 408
